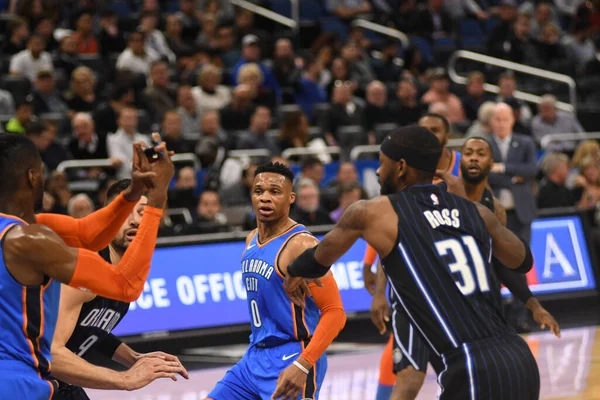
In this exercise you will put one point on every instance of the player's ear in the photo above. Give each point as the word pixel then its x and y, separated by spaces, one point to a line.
pixel 292 198
pixel 402 168
pixel 31 178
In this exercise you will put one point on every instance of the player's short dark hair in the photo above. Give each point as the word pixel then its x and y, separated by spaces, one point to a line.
pixel 440 117
pixel 115 189
pixel 477 138
pixel 310 162
pixel 18 154
pixel 275 168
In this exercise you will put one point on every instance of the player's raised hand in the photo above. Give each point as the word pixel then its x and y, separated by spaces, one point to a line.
pixel 148 369
pixel 164 171
pixel 291 381
pixel 454 183
pixel 167 357
pixel 545 319
pixel 142 177
pixel 380 312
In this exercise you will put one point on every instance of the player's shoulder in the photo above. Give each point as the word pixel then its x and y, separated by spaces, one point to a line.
pixel 250 236
pixel 22 236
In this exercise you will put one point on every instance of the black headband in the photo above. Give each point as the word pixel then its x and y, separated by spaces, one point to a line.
pixel 425 160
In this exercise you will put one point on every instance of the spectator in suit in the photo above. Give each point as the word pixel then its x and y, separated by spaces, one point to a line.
pixel 512 178
pixel 514 171
pixel 155 40
pixel 159 95
pixel 46 99
pixel 307 210
pixel 209 218
pixel 508 86
pixel 255 137
pixel 19 32
pixel 439 92
pixel 377 111
pixel 171 133
pixel 285 70
pixel 553 192
pixel 476 95
pixel 29 62
pixel 81 97
pixel 433 21
pixel 120 143
pixel 343 112
pixel 550 120
pixel 86 143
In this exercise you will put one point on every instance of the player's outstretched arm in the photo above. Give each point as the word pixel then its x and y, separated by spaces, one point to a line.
pixel 511 251
pixel 96 231
pixel 315 262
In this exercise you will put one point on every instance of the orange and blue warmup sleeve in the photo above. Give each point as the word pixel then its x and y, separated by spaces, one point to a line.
pixel 332 321
pixel 370 255
pixel 93 232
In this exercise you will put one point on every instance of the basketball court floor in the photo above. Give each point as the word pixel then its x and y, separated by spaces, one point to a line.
pixel 569 368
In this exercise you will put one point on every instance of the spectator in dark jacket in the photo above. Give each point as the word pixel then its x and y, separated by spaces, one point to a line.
pixel 46 99
pixel 553 192
pixel 307 210
pixel 433 21
pixel 476 95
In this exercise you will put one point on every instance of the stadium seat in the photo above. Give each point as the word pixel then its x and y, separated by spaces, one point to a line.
pixel 471 33
pixel 121 8
pixel 93 62
pixel 318 111
pixel 311 10
pixel 382 130
pixel 424 47
pixel 349 137
pixel 144 122
pixel 18 86
pixel 334 25
pixel 283 7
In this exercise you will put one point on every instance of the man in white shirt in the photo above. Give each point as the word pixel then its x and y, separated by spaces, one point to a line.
pixel 136 57
pixel 120 143
pixel 29 62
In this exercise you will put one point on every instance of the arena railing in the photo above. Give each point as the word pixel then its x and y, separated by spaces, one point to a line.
pixel 374 149
pixel 307 151
pixel 245 155
pixel 106 163
pixel 561 137
pixel 383 30
pixel 184 212
pixel 264 12
pixel 520 68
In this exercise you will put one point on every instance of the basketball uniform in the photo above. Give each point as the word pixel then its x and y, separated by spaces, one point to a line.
pixel 95 323
pixel 27 321
pixel 280 329
pixel 439 274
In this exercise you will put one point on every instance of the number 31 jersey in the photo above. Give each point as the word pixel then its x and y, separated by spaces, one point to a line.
pixel 96 320
pixel 274 318
pixel 440 268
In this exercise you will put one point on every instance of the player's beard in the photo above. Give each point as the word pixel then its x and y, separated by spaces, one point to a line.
pixel 483 174
pixel 120 244
pixel 388 186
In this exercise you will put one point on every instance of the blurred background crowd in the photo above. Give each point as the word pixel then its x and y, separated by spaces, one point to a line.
pixel 228 88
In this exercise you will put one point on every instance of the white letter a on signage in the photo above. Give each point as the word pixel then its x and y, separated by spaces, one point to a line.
pixel 554 255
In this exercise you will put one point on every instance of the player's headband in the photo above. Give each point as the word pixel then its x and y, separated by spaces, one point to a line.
pixel 425 160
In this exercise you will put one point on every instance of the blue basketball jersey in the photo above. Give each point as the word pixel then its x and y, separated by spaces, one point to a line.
pixel 274 318
pixel 27 315
pixel 455 165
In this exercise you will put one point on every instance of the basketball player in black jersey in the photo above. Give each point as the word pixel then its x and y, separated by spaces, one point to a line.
pixel 436 249
pixel 85 322
pixel 475 164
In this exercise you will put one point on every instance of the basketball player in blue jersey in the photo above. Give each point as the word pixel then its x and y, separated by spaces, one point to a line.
pixel 436 248
pixel 412 354
pixel 286 357
pixel 85 322
pixel 37 253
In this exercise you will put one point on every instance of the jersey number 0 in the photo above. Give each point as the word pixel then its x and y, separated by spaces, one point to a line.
pixel 468 281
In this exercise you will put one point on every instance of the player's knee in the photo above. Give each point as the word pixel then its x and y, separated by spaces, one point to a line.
pixel 408 384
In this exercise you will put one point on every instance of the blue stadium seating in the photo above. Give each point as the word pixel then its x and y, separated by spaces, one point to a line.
pixel 334 25
pixel 423 46
pixel 471 32
pixel 311 10
pixel 283 7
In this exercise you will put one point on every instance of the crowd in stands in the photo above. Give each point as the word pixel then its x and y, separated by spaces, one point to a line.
pixel 228 89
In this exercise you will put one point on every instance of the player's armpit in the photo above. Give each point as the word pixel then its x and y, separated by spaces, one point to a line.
pixel 332 321
pixel 43 251
pixel 93 232
pixel 507 247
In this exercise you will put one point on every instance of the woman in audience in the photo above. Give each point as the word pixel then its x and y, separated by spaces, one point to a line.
pixel 210 95
pixel 481 127
pixel 252 76
pixel 294 131
pixel 586 149
pixel 81 97
pixel 589 180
